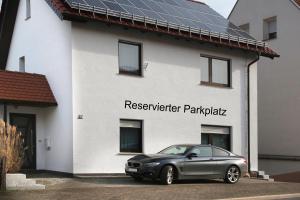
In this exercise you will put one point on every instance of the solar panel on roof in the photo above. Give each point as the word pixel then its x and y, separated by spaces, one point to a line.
pixel 179 12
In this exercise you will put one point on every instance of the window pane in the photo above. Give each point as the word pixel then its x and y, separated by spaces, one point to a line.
pixel 216 135
pixel 272 26
pixel 220 71
pixel 129 58
pixel 219 152
pixel 176 150
pixel 204 138
pixel 204 69
pixel 130 136
pixel 202 151
pixel 222 141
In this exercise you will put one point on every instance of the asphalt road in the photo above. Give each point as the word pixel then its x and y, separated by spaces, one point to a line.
pixel 127 189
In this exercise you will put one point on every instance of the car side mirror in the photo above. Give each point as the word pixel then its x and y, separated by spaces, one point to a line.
pixel 192 155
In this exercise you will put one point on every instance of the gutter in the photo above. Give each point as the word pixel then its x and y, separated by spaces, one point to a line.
pixel 248 113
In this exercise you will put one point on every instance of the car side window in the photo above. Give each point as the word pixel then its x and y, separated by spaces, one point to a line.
pixel 219 153
pixel 202 151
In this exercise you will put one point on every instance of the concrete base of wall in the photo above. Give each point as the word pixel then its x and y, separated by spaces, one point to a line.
pixel 277 167
pixel 20 182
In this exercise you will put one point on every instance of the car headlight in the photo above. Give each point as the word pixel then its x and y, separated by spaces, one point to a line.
pixel 152 164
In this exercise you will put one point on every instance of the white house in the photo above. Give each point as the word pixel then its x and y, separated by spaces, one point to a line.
pixel 127 77
pixel 276 22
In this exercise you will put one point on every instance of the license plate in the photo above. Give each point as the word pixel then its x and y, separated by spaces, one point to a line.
pixel 132 170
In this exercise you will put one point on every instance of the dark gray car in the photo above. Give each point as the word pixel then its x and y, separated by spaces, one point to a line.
pixel 181 162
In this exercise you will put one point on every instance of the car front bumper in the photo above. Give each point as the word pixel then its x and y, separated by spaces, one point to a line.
pixel 143 172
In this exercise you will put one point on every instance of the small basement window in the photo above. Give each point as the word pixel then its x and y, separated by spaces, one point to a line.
pixel 130 58
pixel 215 71
pixel 270 28
pixel 131 136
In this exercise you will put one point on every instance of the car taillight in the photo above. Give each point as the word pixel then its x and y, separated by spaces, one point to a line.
pixel 245 161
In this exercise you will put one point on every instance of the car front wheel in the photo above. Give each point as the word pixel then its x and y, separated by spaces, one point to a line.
pixel 167 175
pixel 232 175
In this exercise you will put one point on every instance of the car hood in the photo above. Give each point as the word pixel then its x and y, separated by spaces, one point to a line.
pixel 153 157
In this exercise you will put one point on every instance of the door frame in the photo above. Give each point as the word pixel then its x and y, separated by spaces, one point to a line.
pixel 33 117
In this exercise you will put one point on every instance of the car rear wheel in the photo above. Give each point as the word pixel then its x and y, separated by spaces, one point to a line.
pixel 167 175
pixel 232 175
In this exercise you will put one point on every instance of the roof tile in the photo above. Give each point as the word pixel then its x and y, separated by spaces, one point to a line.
pixel 25 88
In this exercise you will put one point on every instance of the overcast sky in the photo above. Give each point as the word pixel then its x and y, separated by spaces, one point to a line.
pixel 222 6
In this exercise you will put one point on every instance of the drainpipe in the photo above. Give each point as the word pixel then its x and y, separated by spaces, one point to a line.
pixel 5 113
pixel 248 96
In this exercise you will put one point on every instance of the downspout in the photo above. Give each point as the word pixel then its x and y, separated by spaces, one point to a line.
pixel 5 112
pixel 248 113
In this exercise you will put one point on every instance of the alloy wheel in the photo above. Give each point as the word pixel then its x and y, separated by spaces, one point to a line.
pixel 233 174
pixel 170 175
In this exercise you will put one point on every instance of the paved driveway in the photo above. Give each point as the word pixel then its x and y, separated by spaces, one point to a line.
pixel 124 188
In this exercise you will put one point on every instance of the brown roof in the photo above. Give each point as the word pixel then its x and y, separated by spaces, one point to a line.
pixel 25 89
pixel 297 2
pixel 64 11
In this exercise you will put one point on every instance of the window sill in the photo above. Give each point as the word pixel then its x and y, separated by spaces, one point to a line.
pixel 129 154
pixel 215 86
pixel 132 75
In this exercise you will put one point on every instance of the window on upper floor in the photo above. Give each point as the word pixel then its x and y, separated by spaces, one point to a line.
pixel 28 9
pixel 245 27
pixel 215 71
pixel 130 58
pixel 270 28
pixel 22 64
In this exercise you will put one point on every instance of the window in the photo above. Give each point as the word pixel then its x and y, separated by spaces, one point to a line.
pixel 270 28
pixel 202 151
pixel 245 27
pixel 216 135
pixel 130 61
pixel 176 150
pixel 215 71
pixel 22 64
pixel 131 136
pixel 219 153
pixel 28 9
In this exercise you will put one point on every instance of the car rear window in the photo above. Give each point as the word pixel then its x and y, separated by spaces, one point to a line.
pixel 219 153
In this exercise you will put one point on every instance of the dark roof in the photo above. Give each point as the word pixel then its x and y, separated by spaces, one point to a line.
pixel 70 10
pixel 25 89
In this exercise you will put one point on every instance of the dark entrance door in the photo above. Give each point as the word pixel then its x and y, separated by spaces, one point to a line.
pixel 25 123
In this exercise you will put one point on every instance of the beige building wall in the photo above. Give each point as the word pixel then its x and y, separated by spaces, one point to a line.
pixel 278 80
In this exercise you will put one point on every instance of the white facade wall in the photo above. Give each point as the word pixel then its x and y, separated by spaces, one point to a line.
pixel 172 77
pixel 80 62
pixel 45 41
pixel 278 80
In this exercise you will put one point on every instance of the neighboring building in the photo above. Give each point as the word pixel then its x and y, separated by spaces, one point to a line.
pixel 190 84
pixel 278 23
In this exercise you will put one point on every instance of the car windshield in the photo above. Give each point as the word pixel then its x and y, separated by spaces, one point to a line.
pixel 176 150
